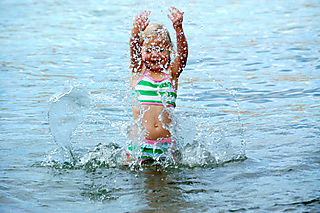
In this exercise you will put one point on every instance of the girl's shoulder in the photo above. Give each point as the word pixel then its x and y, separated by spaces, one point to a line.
pixel 136 76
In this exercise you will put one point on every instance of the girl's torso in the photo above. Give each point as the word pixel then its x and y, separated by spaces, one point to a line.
pixel 153 92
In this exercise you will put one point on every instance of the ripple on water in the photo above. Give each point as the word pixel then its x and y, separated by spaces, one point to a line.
pixel 249 66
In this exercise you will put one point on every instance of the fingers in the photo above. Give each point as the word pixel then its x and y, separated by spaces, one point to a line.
pixel 176 16
pixel 143 16
pixel 145 13
pixel 142 19
pixel 174 11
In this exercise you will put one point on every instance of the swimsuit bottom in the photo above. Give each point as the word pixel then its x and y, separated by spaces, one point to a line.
pixel 153 150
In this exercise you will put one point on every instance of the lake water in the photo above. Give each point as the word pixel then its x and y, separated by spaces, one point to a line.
pixel 247 112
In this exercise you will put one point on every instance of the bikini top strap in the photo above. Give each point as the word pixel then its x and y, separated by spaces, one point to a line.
pixel 138 81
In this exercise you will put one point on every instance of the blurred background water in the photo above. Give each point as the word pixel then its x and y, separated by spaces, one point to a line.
pixel 248 108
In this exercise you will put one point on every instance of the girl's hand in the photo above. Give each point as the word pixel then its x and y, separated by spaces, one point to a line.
pixel 176 17
pixel 141 21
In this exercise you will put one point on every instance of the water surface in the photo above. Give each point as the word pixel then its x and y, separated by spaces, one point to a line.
pixel 247 109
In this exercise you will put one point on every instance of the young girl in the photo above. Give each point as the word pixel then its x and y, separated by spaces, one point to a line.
pixel 154 80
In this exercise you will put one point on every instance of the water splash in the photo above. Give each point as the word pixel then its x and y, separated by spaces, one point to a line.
pixel 106 156
pixel 66 112
pixel 201 140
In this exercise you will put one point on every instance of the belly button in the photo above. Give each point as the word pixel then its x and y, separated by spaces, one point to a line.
pixel 156 125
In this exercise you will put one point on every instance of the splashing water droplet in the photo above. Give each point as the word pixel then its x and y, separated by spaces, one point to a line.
pixel 66 113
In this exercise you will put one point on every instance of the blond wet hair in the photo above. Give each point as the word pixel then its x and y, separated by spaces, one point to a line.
pixel 157 30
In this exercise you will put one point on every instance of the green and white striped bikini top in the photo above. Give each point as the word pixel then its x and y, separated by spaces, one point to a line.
pixel 155 92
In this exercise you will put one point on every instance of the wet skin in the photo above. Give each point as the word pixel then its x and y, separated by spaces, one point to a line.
pixel 150 120
pixel 155 55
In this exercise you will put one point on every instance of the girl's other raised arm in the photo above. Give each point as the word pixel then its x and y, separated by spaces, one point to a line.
pixel 140 23
pixel 180 60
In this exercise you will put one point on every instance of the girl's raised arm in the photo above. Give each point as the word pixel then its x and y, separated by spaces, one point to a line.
pixel 140 23
pixel 180 60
